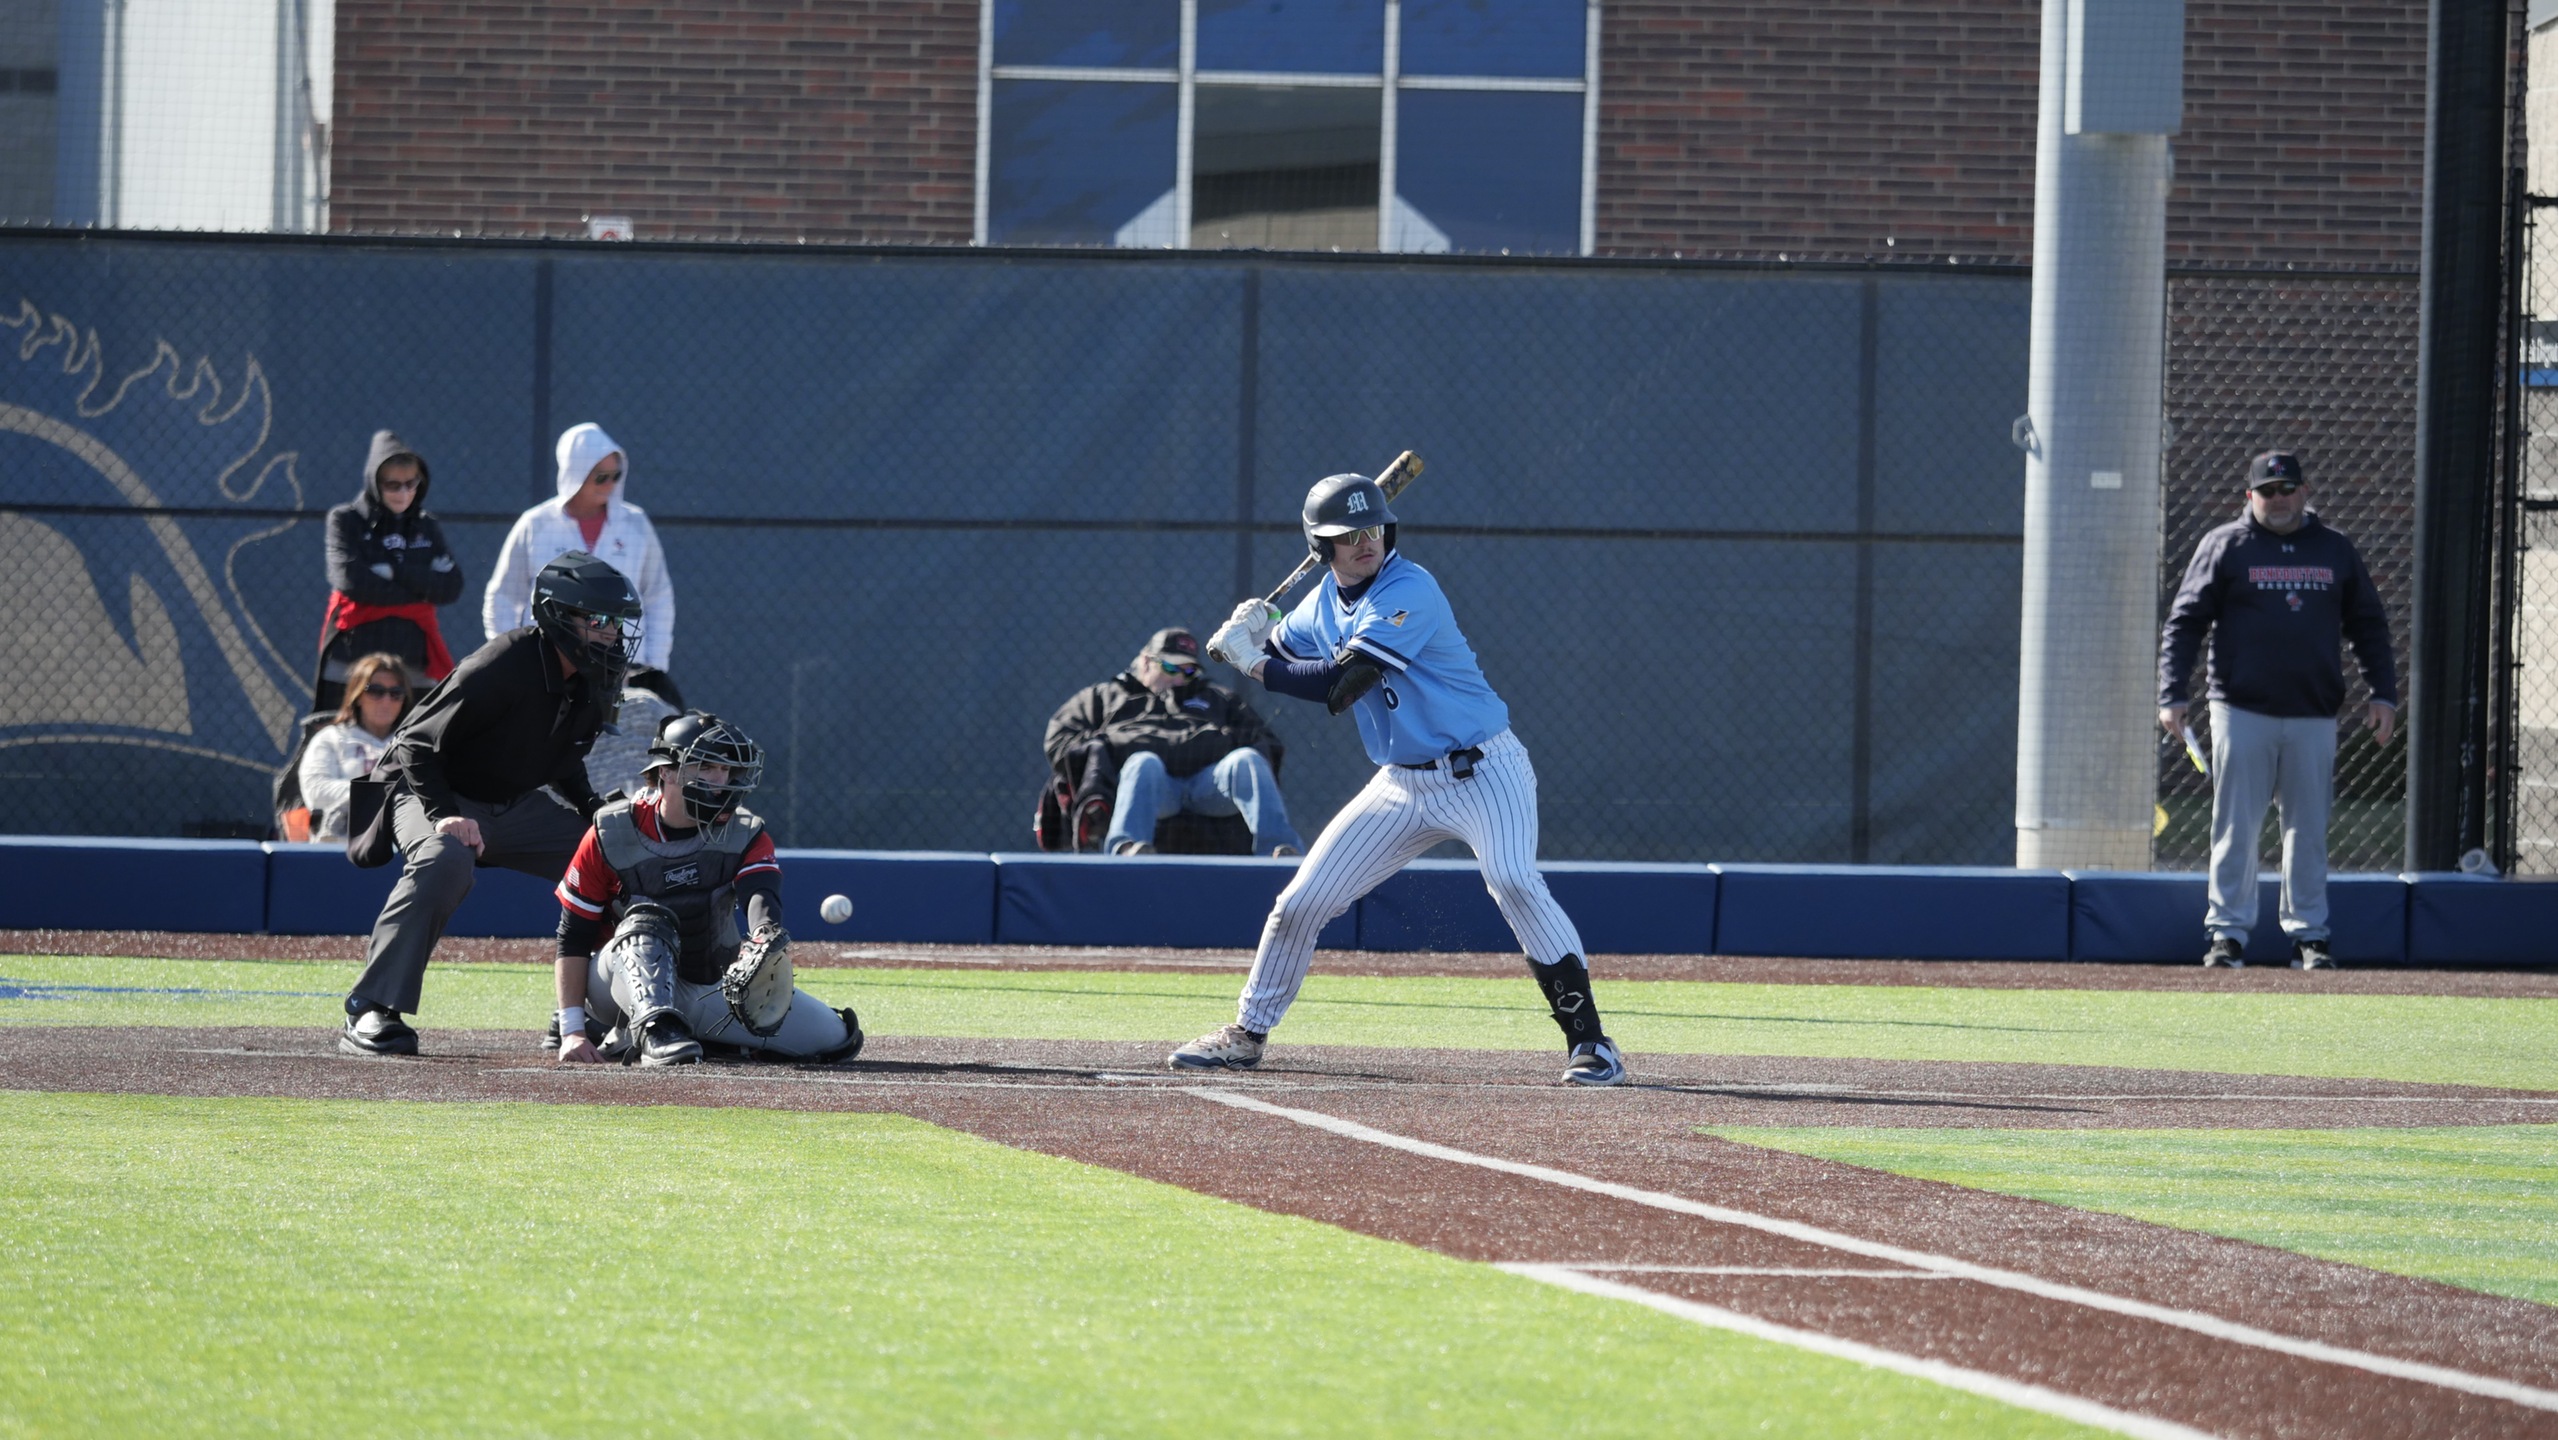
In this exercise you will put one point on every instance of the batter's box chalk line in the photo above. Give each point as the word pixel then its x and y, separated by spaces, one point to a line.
pixel 2215 1327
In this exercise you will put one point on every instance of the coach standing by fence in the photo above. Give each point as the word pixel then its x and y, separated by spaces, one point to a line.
pixel 2275 589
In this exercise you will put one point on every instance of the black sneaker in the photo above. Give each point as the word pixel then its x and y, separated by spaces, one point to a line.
pixel 2312 955
pixel 378 1030
pixel 666 1040
pixel 2226 953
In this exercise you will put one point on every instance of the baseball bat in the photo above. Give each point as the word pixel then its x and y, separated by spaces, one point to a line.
pixel 1394 480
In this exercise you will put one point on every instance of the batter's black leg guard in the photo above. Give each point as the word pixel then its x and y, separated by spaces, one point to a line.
pixel 1566 984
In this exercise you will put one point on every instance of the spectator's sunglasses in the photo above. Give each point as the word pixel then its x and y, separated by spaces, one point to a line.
pixel 1172 669
pixel 387 692
pixel 2277 487
pixel 390 487
pixel 604 477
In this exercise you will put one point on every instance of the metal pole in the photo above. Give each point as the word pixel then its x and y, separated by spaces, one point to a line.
pixel 2455 427
pixel 2086 752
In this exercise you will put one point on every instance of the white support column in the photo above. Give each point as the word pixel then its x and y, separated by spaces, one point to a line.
pixel 985 108
pixel 2087 737
pixel 1184 122
pixel 1389 236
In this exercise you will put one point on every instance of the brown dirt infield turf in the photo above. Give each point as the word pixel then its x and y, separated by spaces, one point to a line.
pixel 1113 1105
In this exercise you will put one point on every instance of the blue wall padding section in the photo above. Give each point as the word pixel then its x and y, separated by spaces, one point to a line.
pixel 2139 916
pixel 312 890
pixel 186 885
pixel 918 897
pixel 2465 920
pixel 1917 913
pixel 1619 909
pixel 1182 901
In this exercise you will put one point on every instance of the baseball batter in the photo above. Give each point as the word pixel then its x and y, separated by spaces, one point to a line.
pixel 1376 637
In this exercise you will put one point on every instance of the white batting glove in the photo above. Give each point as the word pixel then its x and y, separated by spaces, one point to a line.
pixel 1238 642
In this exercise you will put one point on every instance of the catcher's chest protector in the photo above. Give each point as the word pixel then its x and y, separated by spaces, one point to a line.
pixel 696 878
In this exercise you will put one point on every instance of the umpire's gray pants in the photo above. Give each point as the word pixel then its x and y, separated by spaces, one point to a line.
pixel 2288 760
pixel 535 834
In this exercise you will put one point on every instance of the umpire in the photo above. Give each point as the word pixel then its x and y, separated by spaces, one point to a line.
pixel 2275 588
pixel 467 769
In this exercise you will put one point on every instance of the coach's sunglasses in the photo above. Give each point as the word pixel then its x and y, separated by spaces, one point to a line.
pixel 2277 487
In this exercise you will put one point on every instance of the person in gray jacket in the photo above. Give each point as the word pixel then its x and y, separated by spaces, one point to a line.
pixel 2277 591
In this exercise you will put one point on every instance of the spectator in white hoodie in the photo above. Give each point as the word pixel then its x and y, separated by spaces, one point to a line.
pixel 593 514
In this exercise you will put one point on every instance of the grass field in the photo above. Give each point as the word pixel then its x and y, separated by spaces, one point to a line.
pixel 2437 1039
pixel 190 1266
pixel 2475 1206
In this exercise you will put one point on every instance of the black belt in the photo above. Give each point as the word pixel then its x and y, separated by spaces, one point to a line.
pixel 1460 763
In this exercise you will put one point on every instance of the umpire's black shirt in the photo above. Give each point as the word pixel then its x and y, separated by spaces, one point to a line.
pixel 2275 606
pixel 505 723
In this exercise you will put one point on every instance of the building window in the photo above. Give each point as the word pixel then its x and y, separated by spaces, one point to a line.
pixel 1401 125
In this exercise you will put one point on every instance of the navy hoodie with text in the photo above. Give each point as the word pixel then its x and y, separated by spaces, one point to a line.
pixel 2277 608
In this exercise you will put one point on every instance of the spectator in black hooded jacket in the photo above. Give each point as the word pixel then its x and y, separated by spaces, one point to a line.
pixel 1167 741
pixel 388 570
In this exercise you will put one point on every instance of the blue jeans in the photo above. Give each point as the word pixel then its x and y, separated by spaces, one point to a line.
pixel 1239 784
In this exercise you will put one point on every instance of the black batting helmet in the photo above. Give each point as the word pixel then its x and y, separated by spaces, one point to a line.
pixel 1339 504
pixel 698 737
pixel 575 589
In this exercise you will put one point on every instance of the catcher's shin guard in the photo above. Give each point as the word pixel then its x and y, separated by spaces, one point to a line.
pixel 1566 984
pixel 643 948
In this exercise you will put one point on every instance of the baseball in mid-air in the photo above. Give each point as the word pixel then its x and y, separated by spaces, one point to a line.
pixel 836 908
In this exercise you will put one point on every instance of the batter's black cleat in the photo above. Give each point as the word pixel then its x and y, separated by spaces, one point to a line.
pixel 1595 1062
pixel 2312 955
pixel 2226 954
pixel 377 1030
pixel 665 1039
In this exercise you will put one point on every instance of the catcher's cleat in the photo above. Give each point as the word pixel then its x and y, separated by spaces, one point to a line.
pixel 2226 953
pixel 852 1046
pixel 379 1030
pixel 617 1045
pixel 2312 955
pixel 1595 1062
pixel 1228 1047
pixel 665 1039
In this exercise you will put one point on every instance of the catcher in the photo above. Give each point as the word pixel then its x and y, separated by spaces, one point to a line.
pixel 663 873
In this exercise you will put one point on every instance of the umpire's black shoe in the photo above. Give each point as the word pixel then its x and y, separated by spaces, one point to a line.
pixel 667 1040
pixel 2226 953
pixel 377 1031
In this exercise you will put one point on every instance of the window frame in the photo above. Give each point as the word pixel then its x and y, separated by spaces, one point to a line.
pixel 1390 83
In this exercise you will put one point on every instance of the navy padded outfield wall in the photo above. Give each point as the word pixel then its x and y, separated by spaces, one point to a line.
pixel 1699 523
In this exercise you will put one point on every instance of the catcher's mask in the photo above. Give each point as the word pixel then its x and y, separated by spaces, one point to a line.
pixel 589 612
pixel 696 738
pixel 1339 504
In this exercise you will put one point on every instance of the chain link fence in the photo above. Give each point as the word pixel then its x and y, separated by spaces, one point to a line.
pixel 2324 366
pixel 1739 545
pixel 2528 718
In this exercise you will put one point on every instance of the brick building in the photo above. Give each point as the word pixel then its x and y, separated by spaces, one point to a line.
pixel 1895 129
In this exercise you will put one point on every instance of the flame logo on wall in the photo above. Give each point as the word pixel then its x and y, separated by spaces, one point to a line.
pixel 118 630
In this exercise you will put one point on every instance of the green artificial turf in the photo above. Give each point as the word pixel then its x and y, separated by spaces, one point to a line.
pixel 219 1266
pixel 2443 1039
pixel 2471 1206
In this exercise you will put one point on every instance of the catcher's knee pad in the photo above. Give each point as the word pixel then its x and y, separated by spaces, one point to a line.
pixel 646 944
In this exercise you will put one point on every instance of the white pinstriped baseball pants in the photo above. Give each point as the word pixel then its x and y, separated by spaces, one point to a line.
pixel 1385 827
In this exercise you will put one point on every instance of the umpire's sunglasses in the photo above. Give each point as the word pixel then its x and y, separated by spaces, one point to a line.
pixel 2277 487
pixel 1186 668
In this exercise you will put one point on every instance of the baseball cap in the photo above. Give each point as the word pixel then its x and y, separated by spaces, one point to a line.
pixel 2275 465
pixel 1175 643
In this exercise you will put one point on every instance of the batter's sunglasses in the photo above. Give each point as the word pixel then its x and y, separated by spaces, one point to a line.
pixel 2277 487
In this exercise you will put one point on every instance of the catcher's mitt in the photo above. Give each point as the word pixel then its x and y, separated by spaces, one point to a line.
pixel 758 983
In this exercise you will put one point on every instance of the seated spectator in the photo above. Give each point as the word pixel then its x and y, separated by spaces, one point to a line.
pixel 593 513
pixel 619 756
pixel 388 570
pixel 378 696
pixel 1169 742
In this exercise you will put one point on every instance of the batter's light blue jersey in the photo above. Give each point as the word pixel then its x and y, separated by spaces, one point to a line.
pixel 1432 698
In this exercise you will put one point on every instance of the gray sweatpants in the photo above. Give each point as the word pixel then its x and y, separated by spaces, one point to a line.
pixel 626 982
pixel 2291 761
pixel 536 834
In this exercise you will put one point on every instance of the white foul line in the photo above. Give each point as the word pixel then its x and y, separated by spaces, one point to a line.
pixel 2194 1320
pixel 1996 1387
